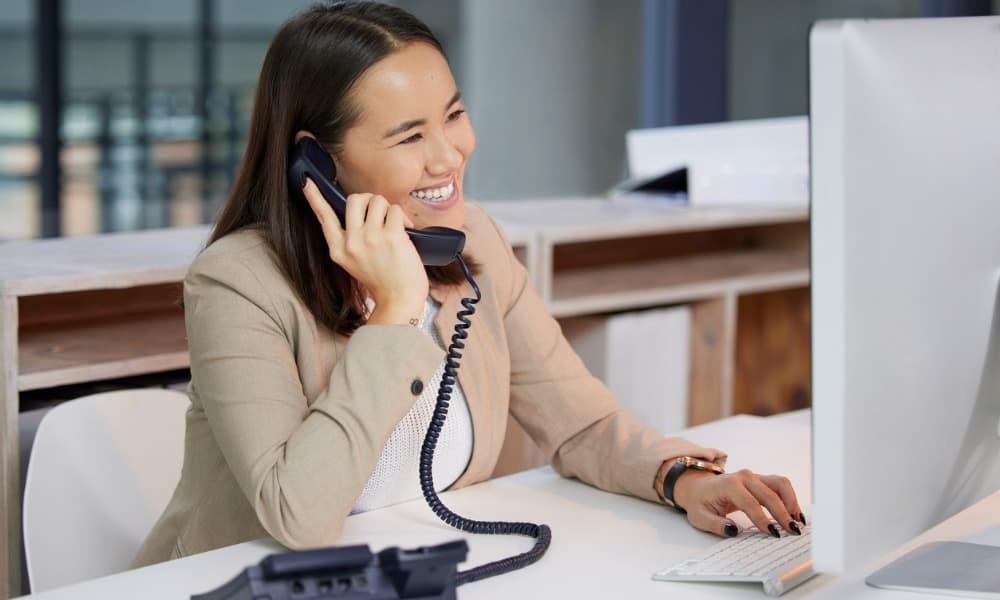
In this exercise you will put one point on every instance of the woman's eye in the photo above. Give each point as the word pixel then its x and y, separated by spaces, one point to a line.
pixel 411 139
pixel 456 114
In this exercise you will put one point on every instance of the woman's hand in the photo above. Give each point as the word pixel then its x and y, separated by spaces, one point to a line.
pixel 374 249
pixel 708 498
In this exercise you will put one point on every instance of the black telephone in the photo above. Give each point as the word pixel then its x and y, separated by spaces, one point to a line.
pixel 353 571
pixel 437 246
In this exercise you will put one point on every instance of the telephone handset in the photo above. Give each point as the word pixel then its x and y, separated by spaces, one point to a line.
pixel 437 246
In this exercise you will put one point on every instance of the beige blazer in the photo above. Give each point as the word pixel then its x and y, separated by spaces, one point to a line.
pixel 287 420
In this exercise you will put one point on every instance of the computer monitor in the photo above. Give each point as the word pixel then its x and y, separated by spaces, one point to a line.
pixel 905 209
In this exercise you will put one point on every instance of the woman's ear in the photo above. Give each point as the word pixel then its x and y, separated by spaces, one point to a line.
pixel 301 134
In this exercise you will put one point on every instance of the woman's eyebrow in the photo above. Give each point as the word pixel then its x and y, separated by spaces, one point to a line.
pixel 402 127
pixel 407 125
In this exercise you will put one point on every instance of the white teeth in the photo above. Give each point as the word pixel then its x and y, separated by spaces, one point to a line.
pixel 435 194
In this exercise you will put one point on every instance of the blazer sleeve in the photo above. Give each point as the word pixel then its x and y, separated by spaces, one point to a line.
pixel 571 415
pixel 301 464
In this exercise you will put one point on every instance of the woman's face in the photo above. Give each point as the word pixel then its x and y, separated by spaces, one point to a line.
pixel 412 139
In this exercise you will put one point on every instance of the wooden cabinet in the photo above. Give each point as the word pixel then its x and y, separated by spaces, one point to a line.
pixel 728 263
pixel 76 310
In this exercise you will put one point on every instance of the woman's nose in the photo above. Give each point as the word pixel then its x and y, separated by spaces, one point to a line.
pixel 443 156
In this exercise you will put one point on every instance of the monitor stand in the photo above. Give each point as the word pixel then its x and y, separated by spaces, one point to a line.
pixel 954 568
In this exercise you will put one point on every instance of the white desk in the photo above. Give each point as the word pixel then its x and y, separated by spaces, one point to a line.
pixel 604 545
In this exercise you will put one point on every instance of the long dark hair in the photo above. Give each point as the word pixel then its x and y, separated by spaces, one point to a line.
pixel 310 67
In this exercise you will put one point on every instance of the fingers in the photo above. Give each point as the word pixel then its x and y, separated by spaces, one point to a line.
pixel 378 206
pixel 328 219
pixel 783 487
pixel 357 207
pixel 741 497
pixel 407 222
pixel 371 211
pixel 770 500
pixel 756 494
pixel 713 498
pixel 396 219
pixel 717 456
pixel 706 520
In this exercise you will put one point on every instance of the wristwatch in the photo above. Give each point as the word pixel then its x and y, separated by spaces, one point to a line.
pixel 681 464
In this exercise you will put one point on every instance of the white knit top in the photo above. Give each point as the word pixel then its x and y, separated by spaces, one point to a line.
pixel 396 476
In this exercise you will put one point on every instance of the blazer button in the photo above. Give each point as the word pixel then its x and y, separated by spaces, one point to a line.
pixel 417 387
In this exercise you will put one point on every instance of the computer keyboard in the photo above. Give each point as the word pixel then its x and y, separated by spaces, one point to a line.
pixel 779 564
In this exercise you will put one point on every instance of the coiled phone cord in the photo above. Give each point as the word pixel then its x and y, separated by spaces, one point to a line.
pixel 541 533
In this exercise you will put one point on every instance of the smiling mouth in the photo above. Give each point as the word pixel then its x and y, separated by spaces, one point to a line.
pixel 435 195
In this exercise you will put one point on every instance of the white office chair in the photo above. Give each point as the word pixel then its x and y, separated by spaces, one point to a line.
pixel 102 470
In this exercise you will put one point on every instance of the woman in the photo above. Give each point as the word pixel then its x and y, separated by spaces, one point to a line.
pixel 316 350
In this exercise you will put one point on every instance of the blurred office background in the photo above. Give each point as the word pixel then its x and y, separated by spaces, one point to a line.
pixel 129 114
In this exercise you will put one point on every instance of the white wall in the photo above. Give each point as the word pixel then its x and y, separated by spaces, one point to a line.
pixel 552 87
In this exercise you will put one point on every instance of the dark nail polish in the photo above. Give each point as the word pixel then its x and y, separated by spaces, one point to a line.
pixel 773 530
pixel 794 527
pixel 732 530
pixel 802 518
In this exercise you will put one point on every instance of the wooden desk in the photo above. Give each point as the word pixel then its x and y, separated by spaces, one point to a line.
pixel 85 309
